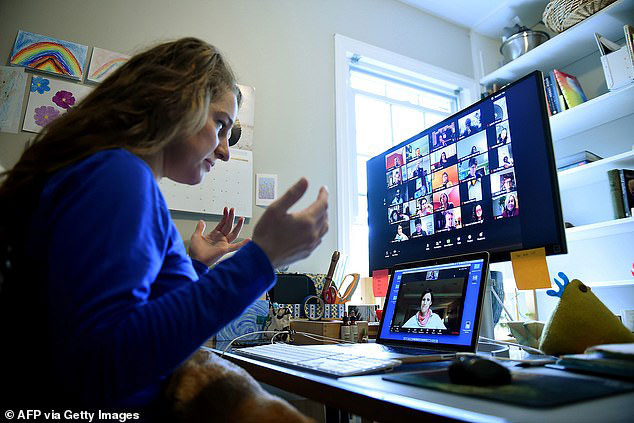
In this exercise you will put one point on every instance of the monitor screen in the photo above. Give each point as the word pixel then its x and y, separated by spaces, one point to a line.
pixel 483 179
pixel 435 302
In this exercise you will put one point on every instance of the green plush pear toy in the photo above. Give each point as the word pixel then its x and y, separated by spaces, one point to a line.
pixel 579 321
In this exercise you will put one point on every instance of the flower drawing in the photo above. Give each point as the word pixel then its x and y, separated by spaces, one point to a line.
pixel 64 99
pixel 45 115
pixel 39 84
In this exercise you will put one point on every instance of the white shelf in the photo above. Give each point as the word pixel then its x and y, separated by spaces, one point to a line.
pixel 594 172
pixel 597 111
pixel 597 230
pixel 569 46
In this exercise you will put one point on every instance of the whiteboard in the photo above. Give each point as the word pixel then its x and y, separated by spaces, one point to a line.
pixel 228 184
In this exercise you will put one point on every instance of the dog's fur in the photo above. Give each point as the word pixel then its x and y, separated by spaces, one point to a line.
pixel 207 388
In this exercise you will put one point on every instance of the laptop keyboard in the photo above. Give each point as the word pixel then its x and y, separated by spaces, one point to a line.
pixel 321 361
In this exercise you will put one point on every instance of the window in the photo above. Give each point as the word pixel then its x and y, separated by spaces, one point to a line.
pixel 382 99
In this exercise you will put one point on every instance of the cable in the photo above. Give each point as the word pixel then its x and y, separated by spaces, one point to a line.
pixel 251 333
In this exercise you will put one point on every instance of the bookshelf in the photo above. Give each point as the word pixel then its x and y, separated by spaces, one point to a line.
pixel 596 245
pixel 601 229
pixel 595 171
pixel 597 111
pixel 569 46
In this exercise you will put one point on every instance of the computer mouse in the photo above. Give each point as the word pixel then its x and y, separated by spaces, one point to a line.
pixel 474 370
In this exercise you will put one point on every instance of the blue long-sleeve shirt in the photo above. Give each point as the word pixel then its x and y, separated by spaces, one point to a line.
pixel 126 305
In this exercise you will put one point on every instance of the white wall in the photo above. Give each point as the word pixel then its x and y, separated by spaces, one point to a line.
pixel 284 48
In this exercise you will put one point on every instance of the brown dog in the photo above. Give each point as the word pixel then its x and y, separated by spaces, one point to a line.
pixel 207 388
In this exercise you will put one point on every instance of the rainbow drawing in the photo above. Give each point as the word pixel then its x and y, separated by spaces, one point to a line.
pixel 48 54
pixel 103 62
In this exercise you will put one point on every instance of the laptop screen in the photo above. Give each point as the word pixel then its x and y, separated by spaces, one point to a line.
pixel 435 302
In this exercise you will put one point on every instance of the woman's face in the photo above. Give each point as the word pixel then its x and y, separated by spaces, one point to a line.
pixel 425 303
pixel 478 211
pixel 443 156
pixel 399 230
pixel 510 205
pixel 503 134
pixel 445 178
pixel 444 199
pixel 187 160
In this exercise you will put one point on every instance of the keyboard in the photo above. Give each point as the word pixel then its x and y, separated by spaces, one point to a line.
pixel 321 361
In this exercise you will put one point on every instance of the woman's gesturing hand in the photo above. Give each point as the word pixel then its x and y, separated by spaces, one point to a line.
pixel 211 247
pixel 288 237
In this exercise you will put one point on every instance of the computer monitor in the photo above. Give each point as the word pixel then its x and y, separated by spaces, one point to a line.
pixel 483 179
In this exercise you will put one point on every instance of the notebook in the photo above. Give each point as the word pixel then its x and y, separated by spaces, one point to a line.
pixel 432 311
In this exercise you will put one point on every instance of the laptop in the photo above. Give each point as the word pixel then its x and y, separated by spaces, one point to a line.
pixel 432 311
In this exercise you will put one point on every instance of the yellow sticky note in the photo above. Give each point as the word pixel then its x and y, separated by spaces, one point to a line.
pixel 530 269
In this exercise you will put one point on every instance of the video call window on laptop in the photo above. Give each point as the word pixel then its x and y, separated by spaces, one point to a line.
pixel 436 302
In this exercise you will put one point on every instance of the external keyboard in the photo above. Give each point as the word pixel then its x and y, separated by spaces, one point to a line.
pixel 323 361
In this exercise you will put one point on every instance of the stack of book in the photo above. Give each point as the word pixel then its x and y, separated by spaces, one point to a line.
pixel 622 191
pixel 609 360
pixel 563 91
pixel 577 159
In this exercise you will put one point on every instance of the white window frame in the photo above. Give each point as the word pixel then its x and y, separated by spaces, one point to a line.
pixel 467 88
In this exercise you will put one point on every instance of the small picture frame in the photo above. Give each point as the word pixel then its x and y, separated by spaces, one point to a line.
pixel 266 189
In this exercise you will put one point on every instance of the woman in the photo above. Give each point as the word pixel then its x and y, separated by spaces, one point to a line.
pixel 100 300
pixel 444 202
pixel 510 206
pixel 425 318
pixel 503 136
pixel 446 183
pixel 443 159
pixel 400 236
pixel 394 216
pixel 478 213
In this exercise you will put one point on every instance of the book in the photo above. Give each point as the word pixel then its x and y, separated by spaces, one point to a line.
pixel 615 192
pixel 549 95
pixel 556 94
pixel 629 41
pixel 570 88
pixel 583 157
pixel 596 362
pixel 627 189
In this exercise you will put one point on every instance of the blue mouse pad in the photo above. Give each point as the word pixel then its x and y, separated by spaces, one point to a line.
pixel 531 390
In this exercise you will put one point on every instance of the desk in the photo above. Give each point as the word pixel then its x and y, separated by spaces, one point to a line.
pixel 373 398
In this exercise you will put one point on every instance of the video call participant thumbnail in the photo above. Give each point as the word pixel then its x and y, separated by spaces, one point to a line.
pixel 445 178
pixel 473 167
pixel 448 220
pixel 402 231
pixel 502 135
pixel 394 160
pixel 506 205
pixel 443 158
pixel 446 199
pixel 469 124
pixel 419 187
pixel 424 294
pixel 417 149
pixel 499 110
pixel 422 226
pixel 474 213
pixel 443 136
pixel 474 145
pixel 503 182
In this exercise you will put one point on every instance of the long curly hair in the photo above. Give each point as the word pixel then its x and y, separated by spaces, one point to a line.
pixel 158 97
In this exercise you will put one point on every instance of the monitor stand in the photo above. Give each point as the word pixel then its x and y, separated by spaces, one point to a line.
pixel 487 321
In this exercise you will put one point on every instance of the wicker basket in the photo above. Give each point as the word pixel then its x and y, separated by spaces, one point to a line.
pixel 560 15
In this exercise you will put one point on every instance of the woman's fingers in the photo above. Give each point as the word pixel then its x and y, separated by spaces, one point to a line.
pixel 236 230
